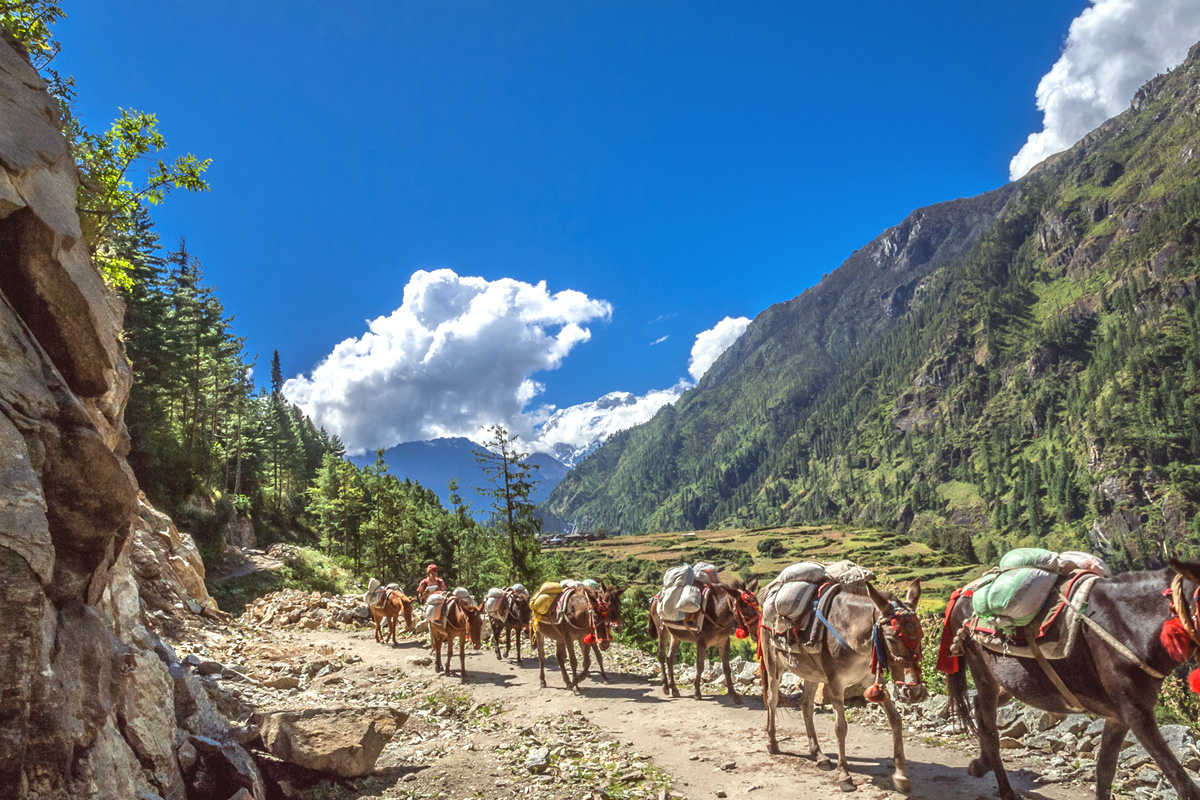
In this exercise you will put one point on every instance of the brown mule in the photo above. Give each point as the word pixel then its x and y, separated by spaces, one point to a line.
pixel 388 602
pixel 458 621
pixel 511 615
pixel 1126 612
pixel 726 608
pixel 860 614
pixel 580 619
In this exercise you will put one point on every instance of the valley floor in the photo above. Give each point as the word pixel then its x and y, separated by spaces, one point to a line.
pixel 625 739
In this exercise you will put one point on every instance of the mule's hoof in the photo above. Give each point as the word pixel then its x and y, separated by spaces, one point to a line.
pixel 674 692
pixel 773 748
pixel 543 684
pixel 847 785
pixel 737 699
pixel 902 784
pixel 825 763
pixel 978 768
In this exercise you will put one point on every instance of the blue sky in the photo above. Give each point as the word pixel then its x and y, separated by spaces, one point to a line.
pixel 682 161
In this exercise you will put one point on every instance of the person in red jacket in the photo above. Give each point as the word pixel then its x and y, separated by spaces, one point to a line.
pixel 431 583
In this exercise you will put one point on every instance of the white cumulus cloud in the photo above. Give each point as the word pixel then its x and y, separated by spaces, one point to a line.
pixel 571 433
pixel 711 343
pixel 456 355
pixel 1113 47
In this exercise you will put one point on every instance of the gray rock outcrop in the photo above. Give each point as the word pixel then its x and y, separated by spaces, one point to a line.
pixel 343 741
pixel 88 693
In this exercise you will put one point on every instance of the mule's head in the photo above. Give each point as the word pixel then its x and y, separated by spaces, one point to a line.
pixel 474 625
pixel 610 602
pixel 745 606
pixel 899 628
pixel 519 607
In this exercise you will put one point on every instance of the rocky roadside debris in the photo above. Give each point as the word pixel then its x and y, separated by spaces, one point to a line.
pixel 1062 746
pixel 565 756
pixel 292 608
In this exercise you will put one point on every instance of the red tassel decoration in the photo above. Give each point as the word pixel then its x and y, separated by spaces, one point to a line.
pixel 589 639
pixel 1194 681
pixel 1175 640
pixel 741 633
pixel 875 693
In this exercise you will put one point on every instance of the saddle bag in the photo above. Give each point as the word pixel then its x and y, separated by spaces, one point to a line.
pixel 676 602
pixel 464 596
pixel 707 573
pixel 434 604
pixel 846 571
pixel 805 571
pixel 520 589
pixel 493 597
pixel 543 601
pixel 788 600
pixel 1015 594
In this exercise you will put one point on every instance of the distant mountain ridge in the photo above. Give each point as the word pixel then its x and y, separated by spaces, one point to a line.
pixel 435 462
pixel 1020 367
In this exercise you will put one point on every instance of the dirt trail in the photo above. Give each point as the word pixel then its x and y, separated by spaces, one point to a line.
pixel 691 740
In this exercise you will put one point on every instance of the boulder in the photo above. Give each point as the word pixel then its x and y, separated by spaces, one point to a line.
pixel 341 741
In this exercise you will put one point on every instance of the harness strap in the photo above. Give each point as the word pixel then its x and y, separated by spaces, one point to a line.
pixel 830 627
pixel 1179 602
pixel 1112 640
pixel 1072 701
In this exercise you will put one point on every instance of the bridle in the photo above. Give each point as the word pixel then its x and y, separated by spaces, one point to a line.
pixel 904 621
pixel 597 607
pixel 746 623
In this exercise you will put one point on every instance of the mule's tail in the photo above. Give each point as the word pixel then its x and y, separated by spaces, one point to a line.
pixel 961 712
pixel 653 628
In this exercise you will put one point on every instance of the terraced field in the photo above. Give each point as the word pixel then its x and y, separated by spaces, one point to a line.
pixel 895 558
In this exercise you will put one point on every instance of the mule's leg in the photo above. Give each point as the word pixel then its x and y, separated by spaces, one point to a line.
pixel 561 654
pixel 900 776
pixel 771 674
pixel 541 648
pixel 392 629
pixel 517 636
pixel 737 698
pixel 1106 756
pixel 437 654
pixel 462 656
pixel 574 665
pixel 701 652
pixel 449 654
pixel 1141 722
pixel 662 659
pixel 508 636
pixel 600 665
pixel 672 654
pixel 986 700
pixel 808 702
pixel 837 696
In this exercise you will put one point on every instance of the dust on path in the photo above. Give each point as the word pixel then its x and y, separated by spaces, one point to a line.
pixel 691 740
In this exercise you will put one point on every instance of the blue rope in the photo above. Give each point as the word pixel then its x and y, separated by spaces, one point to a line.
pixel 825 622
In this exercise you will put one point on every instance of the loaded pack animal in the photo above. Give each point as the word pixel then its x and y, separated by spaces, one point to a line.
pixel 862 633
pixel 725 610
pixel 579 615
pixel 1135 629
pixel 459 621
pixel 510 615
pixel 388 602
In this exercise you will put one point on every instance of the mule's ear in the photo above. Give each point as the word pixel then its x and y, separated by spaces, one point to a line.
pixel 914 594
pixel 1188 569
pixel 879 600
pixel 603 585
pixel 621 590
pixel 753 585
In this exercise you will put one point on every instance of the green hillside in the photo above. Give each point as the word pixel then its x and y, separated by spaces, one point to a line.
pixel 1030 376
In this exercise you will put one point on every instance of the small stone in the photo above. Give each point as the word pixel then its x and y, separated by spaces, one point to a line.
pixel 721 793
pixel 283 682
pixel 419 661
pixel 538 760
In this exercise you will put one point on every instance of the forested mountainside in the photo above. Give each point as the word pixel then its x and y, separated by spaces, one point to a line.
pixel 1036 385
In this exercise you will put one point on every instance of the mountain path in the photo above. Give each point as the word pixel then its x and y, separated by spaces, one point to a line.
pixel 691 740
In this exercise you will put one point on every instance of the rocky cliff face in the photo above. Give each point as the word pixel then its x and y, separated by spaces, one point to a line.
pixel 92 703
